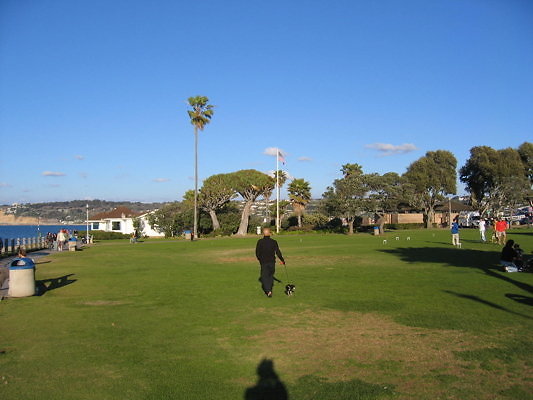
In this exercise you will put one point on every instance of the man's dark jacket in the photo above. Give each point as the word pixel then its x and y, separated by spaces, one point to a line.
pixel 266 250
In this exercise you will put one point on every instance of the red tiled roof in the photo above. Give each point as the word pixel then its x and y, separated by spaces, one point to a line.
pixel 116 213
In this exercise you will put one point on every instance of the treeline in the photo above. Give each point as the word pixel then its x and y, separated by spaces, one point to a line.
pixel 219 213
pixel 495 179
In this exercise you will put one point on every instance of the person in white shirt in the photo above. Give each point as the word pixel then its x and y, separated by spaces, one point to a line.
pixel 482 230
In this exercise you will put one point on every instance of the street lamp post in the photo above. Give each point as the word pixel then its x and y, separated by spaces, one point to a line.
pixel 87 224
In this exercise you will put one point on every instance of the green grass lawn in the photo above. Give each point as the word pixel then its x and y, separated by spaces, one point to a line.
pixel 413 319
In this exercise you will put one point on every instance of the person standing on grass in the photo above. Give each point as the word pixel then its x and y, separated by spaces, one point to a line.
pixel 455 233
pixel 482 230
pixel 501 227
pixel 266 251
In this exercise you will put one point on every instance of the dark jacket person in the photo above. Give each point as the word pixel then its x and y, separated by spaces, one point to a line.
pixel 266 251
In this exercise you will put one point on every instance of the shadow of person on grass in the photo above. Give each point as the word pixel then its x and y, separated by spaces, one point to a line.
pixel 268 386
pixel 45 285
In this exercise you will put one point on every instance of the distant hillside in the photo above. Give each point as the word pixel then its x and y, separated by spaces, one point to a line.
pixel 69 211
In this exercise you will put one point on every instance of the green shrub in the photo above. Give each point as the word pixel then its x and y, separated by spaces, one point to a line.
pixel 101 235
pixel 317 221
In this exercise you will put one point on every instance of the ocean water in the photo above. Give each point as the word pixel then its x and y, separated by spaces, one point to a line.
pixel 28 231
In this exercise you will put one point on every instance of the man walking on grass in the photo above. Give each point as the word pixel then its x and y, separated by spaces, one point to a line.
pixel 266 251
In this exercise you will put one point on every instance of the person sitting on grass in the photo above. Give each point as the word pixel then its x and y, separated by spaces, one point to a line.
pixel 519 260
pixel 528 265
pixel 508 257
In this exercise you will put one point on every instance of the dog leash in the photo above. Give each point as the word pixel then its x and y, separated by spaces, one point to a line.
pixel 286 273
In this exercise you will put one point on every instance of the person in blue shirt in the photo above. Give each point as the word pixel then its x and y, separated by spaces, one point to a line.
pixel 455 233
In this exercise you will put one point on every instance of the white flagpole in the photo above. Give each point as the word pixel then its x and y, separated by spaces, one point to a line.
pixel 277 190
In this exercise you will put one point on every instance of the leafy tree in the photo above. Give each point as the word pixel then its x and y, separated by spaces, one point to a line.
pixel 138 226
pixel 249 184
pixel 429 179
pixel 216 191
pixel 299 195
pixel 165 219
pixel 200 114
pixel 230 217
pixel 385 196
pixel 315 221
pixel 495 178
pixel 345 198
pixel 526 155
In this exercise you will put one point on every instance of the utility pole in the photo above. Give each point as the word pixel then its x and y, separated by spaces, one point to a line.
pixel 87 223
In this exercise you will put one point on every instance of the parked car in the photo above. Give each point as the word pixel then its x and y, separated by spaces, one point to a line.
pixel 469 219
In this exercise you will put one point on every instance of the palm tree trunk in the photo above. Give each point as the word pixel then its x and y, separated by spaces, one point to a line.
pixel 195 227
pixel 243 227
pixel 299 220
pixel 214 220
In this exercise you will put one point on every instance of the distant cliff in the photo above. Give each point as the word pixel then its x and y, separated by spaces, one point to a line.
pixel 10 219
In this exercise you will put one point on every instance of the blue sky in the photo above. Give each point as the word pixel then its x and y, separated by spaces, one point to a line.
pixel 93 93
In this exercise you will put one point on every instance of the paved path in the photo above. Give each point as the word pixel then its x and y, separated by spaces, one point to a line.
pixel 32 254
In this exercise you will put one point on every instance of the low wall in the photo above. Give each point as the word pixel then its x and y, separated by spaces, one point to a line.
pixel 10 246
pixel 411 218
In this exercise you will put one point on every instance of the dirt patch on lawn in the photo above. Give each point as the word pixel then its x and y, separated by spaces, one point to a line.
pixel 341 346
pixel 337 338
pixel 293 261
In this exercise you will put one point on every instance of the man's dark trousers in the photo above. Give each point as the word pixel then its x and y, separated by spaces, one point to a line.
pixel 267 275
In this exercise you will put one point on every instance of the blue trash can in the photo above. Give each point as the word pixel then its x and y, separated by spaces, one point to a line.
pixel 376 231
pixel 21 277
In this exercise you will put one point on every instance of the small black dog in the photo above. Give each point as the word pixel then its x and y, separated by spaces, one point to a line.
pixel 289 289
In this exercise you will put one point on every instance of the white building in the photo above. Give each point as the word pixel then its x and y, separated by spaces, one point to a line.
pixel 121 220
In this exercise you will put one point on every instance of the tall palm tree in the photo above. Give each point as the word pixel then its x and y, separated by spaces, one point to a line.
pixel 200 116
pixel 299 195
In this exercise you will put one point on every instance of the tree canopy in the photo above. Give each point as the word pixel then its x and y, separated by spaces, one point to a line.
pixel 496 178
pixel 201 112
pixel 249 184
pixel 429 179
pixel 345 197
pixel 299 195
pixel 215 192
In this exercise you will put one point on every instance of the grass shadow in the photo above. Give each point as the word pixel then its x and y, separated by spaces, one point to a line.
pixel 45 285
pixel 519 233
pixel 485 261
pixel 520 298
pixel 488 303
